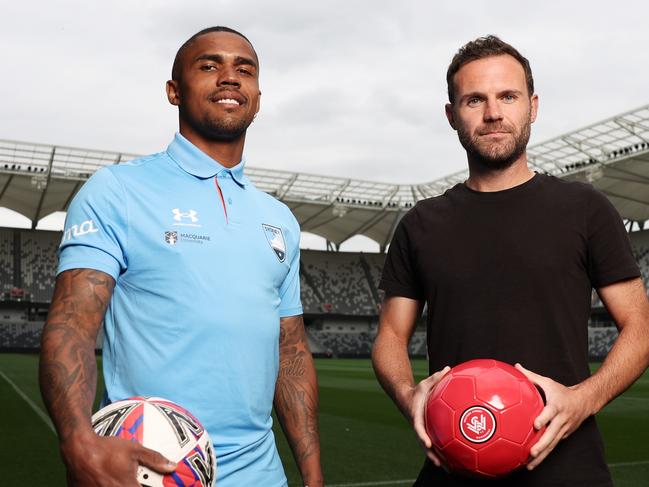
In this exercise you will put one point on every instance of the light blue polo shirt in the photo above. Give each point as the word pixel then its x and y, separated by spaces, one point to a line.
pixel 205 266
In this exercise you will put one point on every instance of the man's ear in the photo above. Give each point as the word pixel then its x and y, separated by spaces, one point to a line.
pixel 534 107
pixel 258 104
pixel 448 108
pixel 173 92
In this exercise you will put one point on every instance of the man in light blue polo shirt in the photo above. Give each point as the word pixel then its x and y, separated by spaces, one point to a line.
pixel 195 273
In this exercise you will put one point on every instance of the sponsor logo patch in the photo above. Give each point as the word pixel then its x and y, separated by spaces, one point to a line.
pixel 275 239
pixel 171 237
pixel 477 424
pixel 75 231
pixel 185 218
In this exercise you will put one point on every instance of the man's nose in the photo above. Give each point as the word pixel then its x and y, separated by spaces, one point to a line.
pixel 229 76
pixel 492 111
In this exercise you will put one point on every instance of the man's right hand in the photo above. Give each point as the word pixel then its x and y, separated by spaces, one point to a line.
pixel 417 409
pixel 98 461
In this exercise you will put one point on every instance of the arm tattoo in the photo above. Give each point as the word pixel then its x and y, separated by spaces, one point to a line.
pixel 296 391
pixel 68 370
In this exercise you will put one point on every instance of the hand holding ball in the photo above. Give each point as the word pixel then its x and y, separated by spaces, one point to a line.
pixel 480 418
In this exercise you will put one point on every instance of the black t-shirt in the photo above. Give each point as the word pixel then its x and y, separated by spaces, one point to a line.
pixel 508 275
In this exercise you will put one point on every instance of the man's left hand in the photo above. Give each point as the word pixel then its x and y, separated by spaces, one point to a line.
pixel 565 409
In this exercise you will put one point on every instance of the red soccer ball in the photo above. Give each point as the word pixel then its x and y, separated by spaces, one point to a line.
pixel 480 418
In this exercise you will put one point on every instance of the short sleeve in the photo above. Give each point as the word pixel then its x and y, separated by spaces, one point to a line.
pixel 289 293
pixel 610 258
pixel 96 227
pixel 399 276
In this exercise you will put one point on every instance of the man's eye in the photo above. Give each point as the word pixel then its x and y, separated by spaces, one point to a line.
pixel 208 67
pixel 509 98
pixel 244 71
pixel 473 101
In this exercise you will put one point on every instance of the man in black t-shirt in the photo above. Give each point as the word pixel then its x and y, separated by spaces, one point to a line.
pixel 506 263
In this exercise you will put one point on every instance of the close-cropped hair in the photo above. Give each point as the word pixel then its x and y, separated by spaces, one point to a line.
pixel 177 68
pixel 484 47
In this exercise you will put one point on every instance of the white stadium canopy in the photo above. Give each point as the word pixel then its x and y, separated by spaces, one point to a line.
pixel 37 180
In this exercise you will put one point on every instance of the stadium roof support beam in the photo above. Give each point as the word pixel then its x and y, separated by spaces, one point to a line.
pixel 628 173
pixel 631 128
pixel 44 192
pixel 4 188
pixel 321 223
pixel 334 194
pixel 72 194
pixel 623 197
pixel 304 224
pixel 393 227
pixel 286 187
pixel 365 226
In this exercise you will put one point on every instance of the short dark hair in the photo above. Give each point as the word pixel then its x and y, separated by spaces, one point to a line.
pixel 176 68
pixel 484 47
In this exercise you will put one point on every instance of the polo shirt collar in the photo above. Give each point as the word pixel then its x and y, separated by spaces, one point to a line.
pixel 195 162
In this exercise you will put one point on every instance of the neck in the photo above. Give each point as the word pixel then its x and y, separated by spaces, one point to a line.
pixel 226 153
pixel 489 180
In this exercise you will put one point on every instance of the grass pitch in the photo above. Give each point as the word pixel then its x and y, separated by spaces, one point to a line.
pixel 365 441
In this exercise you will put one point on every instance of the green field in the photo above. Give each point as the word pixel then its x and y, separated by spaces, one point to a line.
pixel 365 441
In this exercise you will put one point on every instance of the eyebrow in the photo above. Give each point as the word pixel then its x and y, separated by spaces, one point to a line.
pixel 218 58
pixel 479 94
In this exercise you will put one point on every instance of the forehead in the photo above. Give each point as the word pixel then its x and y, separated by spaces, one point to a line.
pixel 492 73
pixel 223 43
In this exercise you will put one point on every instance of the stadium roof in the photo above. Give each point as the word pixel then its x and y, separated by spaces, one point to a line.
pixel 613 155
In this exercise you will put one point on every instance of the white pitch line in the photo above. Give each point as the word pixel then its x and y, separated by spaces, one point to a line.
pixel 628 464
pixel 372 484
pixel 31 403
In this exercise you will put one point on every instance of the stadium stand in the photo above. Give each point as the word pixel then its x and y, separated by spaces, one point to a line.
pixel 640 245
pixel 341 282
pixel 38 262
pixel 339 296
pixel 600 341
pixel 6 260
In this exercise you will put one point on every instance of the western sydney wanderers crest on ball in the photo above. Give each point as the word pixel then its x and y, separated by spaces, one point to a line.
pixel 275 239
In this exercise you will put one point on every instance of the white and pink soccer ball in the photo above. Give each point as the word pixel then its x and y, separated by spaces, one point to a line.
pixel 165 427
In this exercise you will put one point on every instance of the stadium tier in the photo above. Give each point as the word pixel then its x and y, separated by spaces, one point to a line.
pixel 340 296
pixel 338 283
pixel 6 260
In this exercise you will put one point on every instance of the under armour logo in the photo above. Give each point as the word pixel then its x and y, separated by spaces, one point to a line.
pixel 179 215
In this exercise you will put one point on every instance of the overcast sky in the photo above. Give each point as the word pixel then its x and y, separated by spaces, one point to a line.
pixel 354 88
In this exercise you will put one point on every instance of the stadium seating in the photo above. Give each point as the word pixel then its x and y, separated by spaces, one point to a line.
pixel 341 287
pixel 600 341
pixel 341 281
pixel 17 332
pixel 6 260
pixel 640 247
pixel 341 338
pixel 38 262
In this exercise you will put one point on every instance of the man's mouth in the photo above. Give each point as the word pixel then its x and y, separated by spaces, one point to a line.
pixel 228 98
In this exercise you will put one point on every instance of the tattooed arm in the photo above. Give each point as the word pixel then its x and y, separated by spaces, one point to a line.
pixel 68 380
pixel 296 399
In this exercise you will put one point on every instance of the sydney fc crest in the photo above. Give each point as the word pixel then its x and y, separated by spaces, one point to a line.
pixel 275 239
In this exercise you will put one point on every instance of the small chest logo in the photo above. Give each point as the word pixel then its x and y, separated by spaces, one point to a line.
pixel 185 218
pixel 275 239
pixel 171 237
pixel 477 424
